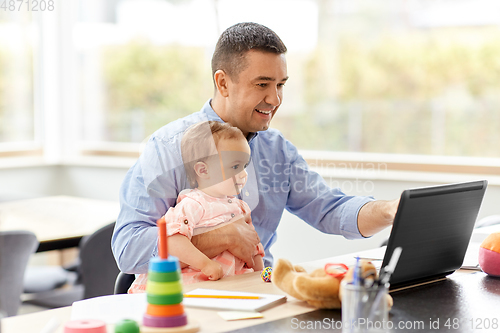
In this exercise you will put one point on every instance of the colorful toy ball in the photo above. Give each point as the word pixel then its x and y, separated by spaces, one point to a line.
pixel 489 255
pixel 266 274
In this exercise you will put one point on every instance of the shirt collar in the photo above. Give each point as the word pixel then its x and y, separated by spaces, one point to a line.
pixel 212 115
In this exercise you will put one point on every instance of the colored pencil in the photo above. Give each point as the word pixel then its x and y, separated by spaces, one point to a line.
pixel 221 296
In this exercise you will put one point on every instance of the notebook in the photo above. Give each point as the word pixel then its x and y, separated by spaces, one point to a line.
pixel 433 225
pixel 265 301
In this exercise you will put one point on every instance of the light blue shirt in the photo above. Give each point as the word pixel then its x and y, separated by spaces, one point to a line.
pixel 278 179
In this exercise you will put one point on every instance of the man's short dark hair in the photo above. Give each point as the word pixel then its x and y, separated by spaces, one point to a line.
pixel 235 41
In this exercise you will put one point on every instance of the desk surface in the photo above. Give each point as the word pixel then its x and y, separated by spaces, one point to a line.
pixel 57 219
pixel 208 319
pixel 460 303
pixel 464 296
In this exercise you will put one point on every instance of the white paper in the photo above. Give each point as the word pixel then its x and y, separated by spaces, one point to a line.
pixel 266 300
pixel 111 309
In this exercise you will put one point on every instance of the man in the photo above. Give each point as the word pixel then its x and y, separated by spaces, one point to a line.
pixel 249 73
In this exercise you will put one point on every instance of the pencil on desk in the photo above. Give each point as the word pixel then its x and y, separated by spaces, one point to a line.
pixel 221 296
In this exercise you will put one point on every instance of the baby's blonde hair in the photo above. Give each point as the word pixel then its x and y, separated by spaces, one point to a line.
pixel 200 142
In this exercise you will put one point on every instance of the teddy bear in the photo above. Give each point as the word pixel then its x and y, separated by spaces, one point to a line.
pixel 321 288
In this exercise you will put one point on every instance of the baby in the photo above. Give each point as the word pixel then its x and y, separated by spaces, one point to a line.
pixel 215 156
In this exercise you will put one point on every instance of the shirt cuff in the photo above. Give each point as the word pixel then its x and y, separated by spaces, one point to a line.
pixel 349 219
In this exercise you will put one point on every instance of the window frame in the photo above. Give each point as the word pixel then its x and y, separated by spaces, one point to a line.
pixel 58 132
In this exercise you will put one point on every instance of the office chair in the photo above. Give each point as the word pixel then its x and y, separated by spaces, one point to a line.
pixel 123 282
pixel 96 270
pixel 98 267
pixel 16 247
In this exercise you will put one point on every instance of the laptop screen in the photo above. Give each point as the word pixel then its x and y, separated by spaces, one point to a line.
pixel 433 225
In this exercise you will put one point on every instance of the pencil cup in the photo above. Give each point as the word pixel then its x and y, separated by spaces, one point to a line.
pixel 364 309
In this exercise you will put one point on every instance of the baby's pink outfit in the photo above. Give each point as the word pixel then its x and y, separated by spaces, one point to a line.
pixel 197 212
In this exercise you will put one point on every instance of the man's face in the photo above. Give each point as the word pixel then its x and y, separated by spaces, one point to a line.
pixel 256 94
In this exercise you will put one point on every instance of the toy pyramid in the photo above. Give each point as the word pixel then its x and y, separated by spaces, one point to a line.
pixel 165 312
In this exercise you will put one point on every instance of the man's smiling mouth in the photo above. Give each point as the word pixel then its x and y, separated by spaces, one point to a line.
pixel 264 112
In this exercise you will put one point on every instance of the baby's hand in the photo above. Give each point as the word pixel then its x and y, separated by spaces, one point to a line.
pixel 213 270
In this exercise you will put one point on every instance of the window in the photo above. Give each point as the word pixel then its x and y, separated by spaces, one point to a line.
pixel 141 65
pixel 17 48
pixel 416 77
pixel 403 77
pixel 412 77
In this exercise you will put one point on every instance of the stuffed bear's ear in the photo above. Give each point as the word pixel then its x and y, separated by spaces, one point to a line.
pixel 367 268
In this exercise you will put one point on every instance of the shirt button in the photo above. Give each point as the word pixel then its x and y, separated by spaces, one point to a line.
pixel 232 214
pixel 247 194
pixel 230 201
pixel 186 222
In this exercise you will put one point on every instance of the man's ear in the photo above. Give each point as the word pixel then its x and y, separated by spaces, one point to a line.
pixel 201 169
pixel 221 81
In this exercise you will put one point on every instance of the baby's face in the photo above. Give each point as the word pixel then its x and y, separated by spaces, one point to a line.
pixel 234 156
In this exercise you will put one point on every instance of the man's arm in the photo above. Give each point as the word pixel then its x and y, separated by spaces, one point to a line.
pixel 376 216
pixel 239 238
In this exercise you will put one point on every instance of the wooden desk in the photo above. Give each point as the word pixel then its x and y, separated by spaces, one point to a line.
pixel 208 319
pixel 463 296
pixel 461 303
pixel 58 222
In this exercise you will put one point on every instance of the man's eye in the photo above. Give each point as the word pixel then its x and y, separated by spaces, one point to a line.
pixel 281 85
pixel 262 85
pixel 246 165
pixel 235 167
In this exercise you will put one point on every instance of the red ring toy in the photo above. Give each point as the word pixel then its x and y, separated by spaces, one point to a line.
pixel 336 265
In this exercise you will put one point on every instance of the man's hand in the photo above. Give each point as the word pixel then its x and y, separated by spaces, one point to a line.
pixel 376 216
pixel 242 240
pixel 238 237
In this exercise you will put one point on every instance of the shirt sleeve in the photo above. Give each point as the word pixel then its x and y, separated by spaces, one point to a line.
pixel 150 187
pixel 184 217
pixel 323 207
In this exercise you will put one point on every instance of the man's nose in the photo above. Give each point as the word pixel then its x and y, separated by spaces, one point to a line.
pixel 273 97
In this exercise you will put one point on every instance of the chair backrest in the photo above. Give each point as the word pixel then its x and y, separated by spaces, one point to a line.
pixel 123 282
pixel 16 247
pixel 98 267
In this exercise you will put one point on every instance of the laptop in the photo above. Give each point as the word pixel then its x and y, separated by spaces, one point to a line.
pixel 433 225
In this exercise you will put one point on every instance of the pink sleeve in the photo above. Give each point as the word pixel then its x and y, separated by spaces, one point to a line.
pixel 183 218
pixel 244 207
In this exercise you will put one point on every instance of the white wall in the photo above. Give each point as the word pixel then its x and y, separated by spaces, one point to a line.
pixel 297 241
